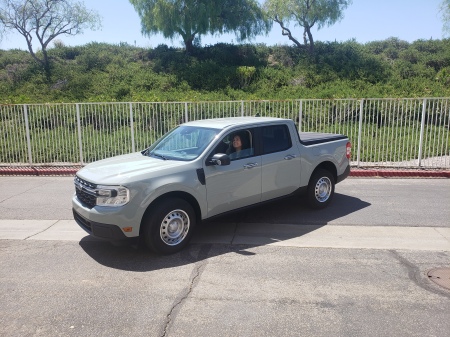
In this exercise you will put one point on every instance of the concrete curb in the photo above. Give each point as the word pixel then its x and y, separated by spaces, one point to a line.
pixel 281 235
pixel 390 173
pixel 66 171
pixel 38 171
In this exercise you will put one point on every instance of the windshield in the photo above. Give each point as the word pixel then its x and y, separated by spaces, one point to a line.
pixel 182 143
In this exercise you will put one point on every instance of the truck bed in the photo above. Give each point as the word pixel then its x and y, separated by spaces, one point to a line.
pixel 313 138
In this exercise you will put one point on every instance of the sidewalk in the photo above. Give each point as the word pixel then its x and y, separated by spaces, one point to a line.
pixel 257 234
pixel 355 172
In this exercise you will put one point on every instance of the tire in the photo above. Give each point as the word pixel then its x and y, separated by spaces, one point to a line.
pixel 169 226
pixel 320 189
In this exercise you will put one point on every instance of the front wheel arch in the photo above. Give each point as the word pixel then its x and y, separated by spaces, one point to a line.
pixel 173 195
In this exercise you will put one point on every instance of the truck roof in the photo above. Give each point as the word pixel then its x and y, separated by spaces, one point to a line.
pixel 222 123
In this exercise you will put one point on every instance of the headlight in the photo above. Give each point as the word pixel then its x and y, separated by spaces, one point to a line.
pixel 112 195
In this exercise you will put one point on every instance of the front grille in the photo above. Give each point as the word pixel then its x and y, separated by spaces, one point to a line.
pixel 84 223
pixel 85 192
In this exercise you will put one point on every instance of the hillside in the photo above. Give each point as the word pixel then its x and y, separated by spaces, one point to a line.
pixel 102 72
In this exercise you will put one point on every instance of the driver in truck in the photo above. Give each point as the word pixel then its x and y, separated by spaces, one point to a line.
pixel 238 149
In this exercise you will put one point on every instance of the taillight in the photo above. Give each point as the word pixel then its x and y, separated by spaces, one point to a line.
pixel 348 150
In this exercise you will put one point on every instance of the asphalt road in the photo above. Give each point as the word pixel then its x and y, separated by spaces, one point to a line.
pixel 81 287
pixel 358 201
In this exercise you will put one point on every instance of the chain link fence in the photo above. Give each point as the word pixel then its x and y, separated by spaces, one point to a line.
pixel 404 132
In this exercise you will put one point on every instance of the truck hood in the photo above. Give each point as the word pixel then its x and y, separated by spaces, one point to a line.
pixel 121 169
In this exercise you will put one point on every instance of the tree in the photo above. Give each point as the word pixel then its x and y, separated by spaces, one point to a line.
pixel 305 13
pixel 46 19
pixel 445 10
pixel 193 18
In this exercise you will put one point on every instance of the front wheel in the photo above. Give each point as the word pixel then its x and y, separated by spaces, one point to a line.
pixel 169 226
pixel 320 189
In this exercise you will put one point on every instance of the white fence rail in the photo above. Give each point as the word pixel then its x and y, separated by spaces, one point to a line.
pixel 406 132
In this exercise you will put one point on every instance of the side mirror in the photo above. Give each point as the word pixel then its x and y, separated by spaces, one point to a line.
pixel 220 159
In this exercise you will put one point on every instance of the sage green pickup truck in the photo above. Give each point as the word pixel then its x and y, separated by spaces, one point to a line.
pixel 202 169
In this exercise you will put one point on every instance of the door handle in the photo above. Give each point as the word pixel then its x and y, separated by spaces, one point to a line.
pixel 250 165
pixel 290 156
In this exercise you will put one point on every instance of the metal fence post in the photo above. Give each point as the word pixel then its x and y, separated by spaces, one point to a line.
pixel 133 147
pixel 79 134
pixel 422 130
pixel 242 108
pixel 361 112
pixel 186 112
pixel 300 113
pixel 27 130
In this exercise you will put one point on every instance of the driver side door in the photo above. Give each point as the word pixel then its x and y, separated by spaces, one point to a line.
pixel 235 185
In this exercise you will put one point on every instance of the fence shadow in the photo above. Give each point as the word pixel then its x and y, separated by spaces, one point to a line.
pixel 269 220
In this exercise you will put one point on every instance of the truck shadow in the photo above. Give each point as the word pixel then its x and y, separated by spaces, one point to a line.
pixel 233 233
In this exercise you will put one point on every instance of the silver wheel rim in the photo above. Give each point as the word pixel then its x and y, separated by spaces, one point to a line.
pixel 322 190
pixel 174 227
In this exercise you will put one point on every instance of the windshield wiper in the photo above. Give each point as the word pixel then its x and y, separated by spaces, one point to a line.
pixel 158 155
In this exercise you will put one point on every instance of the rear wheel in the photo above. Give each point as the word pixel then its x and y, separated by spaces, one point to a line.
pixel 320 189
pixel 168 227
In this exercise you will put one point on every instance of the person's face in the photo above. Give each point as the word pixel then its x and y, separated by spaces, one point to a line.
pixel 237 142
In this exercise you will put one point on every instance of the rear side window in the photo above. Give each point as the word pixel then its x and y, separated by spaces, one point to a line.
pixel 275 138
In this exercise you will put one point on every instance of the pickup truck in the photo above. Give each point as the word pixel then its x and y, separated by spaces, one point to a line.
pixel 202 169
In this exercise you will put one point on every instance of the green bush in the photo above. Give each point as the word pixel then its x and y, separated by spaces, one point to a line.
pixel 105 72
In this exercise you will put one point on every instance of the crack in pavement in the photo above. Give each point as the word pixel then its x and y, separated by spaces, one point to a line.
pixel 234 232
pixel 194 279
pixel 16 195
pixel 414 275
pixel 42 231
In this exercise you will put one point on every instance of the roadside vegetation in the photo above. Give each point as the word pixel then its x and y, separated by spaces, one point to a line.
pixel 99 72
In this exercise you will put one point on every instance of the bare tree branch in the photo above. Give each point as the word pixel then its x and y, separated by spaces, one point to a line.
pixel 287 32
pixel 306 13
pixel 46 19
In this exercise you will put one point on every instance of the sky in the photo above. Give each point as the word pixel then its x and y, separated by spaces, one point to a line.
pixel 364 21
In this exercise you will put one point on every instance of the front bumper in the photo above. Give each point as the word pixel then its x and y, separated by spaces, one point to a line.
pixel 99 230
pixel 107 222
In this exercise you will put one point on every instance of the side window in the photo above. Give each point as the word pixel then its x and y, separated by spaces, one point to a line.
pixel 237 144
pixel 276 138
